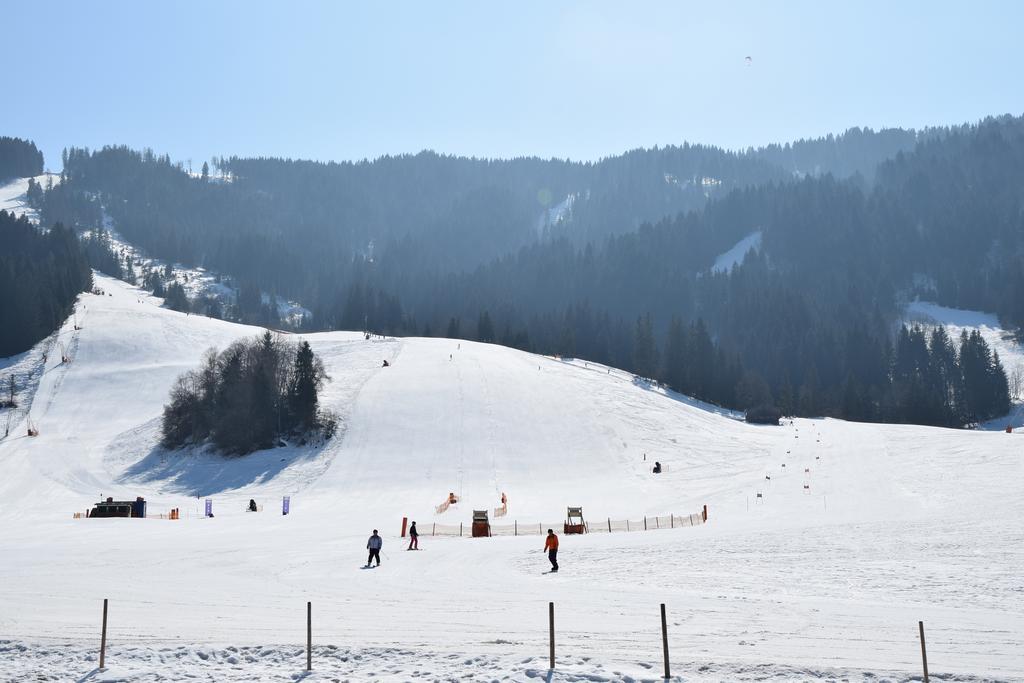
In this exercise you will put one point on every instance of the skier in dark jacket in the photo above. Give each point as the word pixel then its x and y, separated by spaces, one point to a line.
pixel 374 545
pixel 414 538
pixel 252 505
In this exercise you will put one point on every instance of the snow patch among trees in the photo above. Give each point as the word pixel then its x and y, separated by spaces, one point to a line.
pixel 728 260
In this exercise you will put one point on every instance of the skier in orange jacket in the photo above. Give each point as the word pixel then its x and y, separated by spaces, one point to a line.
pixel 551 545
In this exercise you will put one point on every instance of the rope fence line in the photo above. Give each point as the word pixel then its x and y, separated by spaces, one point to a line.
pixel 551 641
pixel 606 525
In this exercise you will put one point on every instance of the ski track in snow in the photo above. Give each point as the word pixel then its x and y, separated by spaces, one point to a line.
pixel 897 524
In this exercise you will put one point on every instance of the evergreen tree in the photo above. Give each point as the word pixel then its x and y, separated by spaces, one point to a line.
pixel 675 360
pixel 248 396
pixel 645 353
pixel 264 406
pixel 175 298
pixel 307 379
pixel 485 328
pixel 753 391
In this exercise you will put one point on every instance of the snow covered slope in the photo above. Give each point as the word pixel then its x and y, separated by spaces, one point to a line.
pixel 1000 340
pixel 13 197
pixel 859 532
pixel 734 256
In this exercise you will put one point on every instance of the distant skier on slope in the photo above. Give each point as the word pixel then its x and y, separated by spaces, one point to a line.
pixel 414 538
pixel 252 505
pixel 551 545
pixel 374 545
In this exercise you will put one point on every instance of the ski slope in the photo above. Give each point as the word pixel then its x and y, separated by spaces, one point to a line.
pixel 999 339
pixel 728 260
pixel 13 195
pixel 898 524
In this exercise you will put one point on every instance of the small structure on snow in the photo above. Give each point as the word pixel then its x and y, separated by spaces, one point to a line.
pixel 481 525
pixel 120 508
pixel 574 523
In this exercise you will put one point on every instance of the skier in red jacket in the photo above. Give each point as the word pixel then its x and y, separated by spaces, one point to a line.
pixel 551 545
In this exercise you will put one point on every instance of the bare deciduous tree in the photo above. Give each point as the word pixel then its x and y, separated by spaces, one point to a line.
pixel 1016 380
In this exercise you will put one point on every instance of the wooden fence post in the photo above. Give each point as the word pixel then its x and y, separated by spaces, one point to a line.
pixel 645 522
pixel 309 636
pixel 515 527
pixel 103 637
pixel 551 632
pixel 609 525
pixel 924 654
pixel 405 522
pixel 664 640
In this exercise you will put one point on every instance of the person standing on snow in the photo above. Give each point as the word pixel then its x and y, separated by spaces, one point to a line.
pixel 374 545
pixel 414 538
pixel 551 545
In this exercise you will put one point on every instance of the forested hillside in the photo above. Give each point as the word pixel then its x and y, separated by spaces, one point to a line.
pixel 423 216
pixel 41 273
pixel 19 158
pixel 848 228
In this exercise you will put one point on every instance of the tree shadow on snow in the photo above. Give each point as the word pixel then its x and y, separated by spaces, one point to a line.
pixel 652 385
pixel 204 472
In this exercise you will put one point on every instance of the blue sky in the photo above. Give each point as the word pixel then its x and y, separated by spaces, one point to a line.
pixel 334 80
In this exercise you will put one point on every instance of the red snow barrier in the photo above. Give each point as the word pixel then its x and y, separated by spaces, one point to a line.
pixel 606 525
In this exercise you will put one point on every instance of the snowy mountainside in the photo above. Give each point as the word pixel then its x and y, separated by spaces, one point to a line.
pixel 197 281
pixel 859 531
pixel 999 339
pixel 727 260
pixel 13 195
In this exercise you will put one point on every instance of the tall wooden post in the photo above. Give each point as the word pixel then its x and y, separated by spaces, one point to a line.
pixel 405 522
pixel 664 640
pixel 103 637
pixel 551 633
pixel 309 636
pixel 924 653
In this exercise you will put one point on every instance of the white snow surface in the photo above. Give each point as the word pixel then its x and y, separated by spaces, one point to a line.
pixel 13 197
pixel 899 524
pixel 732 258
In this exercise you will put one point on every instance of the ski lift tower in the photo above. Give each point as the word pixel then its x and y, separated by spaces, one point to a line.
pixel 574 523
